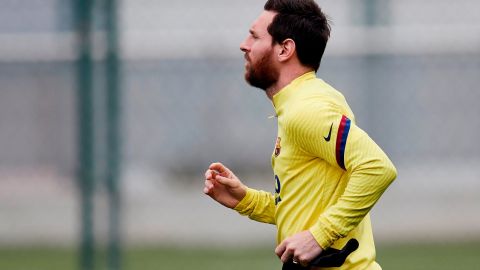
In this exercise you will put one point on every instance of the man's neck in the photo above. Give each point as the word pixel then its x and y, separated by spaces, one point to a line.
pixel 284 79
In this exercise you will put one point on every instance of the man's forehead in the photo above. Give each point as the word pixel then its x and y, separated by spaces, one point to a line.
pixel 262 22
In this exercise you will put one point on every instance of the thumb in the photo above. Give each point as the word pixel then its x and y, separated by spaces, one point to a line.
pixel 225 181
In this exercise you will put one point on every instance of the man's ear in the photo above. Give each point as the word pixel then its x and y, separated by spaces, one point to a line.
pixel 287 50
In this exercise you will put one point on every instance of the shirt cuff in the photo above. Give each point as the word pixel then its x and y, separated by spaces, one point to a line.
pixel 244 204
pixel 324 234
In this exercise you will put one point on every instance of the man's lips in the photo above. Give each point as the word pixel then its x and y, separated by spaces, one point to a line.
pixel 247 61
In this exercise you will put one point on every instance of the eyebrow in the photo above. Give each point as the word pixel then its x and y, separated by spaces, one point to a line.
pixel 252 32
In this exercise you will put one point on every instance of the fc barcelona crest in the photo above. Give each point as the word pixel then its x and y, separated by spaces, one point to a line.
pixel 277 146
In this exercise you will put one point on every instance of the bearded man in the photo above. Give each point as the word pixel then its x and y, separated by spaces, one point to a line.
pixel 328 172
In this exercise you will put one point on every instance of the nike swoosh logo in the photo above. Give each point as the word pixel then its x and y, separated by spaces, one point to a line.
pixel 329 134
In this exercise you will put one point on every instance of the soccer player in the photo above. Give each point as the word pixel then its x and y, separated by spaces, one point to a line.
pixel 328 172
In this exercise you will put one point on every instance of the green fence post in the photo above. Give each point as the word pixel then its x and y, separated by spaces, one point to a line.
pixel 113 135
pixel 375 14
pixel 83 16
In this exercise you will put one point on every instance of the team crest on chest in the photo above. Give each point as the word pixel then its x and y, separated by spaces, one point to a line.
pixel 277 146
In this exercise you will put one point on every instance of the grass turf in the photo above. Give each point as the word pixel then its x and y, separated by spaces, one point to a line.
pixel 391 257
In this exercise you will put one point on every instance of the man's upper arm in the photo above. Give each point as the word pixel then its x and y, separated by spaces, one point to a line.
pixel 321 130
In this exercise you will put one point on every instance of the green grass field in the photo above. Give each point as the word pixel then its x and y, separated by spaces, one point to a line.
pixel 392 257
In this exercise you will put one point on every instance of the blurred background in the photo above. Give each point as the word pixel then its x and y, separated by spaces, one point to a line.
pixel 110 112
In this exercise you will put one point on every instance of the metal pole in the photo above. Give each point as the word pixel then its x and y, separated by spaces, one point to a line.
pixel 83 12
pixel 377 12
pixel 371 15
pixel 374 14
pixel 113 134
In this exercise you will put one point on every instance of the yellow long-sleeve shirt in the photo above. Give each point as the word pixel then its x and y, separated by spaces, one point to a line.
pixel 328 172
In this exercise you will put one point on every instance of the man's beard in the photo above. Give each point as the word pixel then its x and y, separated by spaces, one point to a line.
pixel 262 74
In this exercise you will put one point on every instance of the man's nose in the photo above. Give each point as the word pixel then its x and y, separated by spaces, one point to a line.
pixel 243 46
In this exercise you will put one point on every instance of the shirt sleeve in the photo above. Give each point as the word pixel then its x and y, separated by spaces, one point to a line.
pixel 258 205
pixel 323 131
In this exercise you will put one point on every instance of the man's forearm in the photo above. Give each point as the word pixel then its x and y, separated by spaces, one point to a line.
pixel 366 185
pixel 257 205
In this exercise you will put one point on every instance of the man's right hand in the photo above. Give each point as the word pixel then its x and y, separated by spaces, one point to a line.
pixel 223 186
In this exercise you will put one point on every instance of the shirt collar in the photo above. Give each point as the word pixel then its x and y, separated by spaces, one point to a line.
pixel 283 95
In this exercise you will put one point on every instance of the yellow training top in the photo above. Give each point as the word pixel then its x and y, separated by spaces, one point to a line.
pixel 328 172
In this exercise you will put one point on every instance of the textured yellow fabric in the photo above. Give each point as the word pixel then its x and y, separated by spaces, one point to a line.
pixel 328 172
pixel 258 205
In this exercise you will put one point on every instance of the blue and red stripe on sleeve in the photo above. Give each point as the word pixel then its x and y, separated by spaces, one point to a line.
pixel 342 136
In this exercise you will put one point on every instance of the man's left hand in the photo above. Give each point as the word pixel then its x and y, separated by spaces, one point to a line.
pixel 301 247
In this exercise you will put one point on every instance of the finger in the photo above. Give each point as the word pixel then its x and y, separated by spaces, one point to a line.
pixel 210 174
pixel 287 255
pixel 217 166
pixel 302 261
pixel 208 184
pixel 281 249
pixel 208 190
pixel 225 181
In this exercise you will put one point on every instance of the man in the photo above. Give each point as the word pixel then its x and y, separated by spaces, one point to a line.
pixel 328 172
